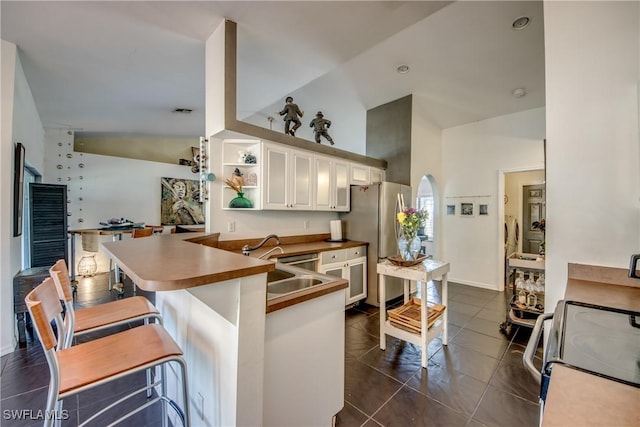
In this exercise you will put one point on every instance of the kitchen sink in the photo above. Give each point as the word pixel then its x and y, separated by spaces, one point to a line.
pixel 292 284
pixel 287 279
pixel 277 274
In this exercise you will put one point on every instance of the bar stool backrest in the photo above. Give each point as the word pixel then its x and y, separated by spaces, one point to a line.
pixel 141 232
pixel 62 281
pixel 44 307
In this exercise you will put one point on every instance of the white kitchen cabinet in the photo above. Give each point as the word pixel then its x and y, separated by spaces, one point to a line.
pixel 349 264
pixel 287 178
pixel 304 363
pixel 359 174
pixel 331 189
pixel 243 155
pixel 364 175
pixel 376 175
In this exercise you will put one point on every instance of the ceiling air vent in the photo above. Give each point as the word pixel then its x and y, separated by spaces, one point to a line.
pixel 183 110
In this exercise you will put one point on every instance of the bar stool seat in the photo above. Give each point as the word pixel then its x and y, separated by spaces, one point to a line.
pixel 87 365
pixel 100 316
pixel 113 313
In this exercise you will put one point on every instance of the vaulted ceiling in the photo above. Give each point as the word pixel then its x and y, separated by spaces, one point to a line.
pixel 122 67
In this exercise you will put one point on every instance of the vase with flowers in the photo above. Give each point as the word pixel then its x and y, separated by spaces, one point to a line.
pixel 235 183
pixel 410 220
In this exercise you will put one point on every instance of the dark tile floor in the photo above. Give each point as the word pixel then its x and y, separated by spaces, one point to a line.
pixel 24 377
pixel 476 380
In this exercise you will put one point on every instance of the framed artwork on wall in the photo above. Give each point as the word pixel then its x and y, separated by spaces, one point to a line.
pixel 18 186
pixel 466 209
pixel 179 203
pixel 451 209
pixel 483 209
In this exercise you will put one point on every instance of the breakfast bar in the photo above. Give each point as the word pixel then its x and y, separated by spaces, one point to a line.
pixel 239 351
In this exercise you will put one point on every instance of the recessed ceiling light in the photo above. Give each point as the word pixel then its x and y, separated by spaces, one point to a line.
pixel 521 23
pixel 403 69
pixel 182 110
pixel 519 92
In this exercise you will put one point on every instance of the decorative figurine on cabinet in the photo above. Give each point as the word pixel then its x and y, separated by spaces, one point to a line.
pixel 320 127
pixel 291 113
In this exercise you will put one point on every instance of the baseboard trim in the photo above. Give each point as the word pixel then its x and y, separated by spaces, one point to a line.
pixel 475 284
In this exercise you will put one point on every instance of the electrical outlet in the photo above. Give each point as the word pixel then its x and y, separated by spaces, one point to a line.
pixel 307 224
pixel 231 226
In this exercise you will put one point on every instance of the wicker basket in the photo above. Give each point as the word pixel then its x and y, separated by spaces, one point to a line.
pixel 408 316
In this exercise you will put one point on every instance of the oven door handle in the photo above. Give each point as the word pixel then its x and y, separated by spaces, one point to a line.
pixel 532 345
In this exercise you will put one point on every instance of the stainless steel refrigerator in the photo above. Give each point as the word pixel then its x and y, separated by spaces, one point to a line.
pixel 373 219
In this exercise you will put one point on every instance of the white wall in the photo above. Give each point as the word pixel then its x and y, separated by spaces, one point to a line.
pixel 20 123
pixel 593 185
pixel 426 159
pixel 339 103
pixel 472 157
pixel 111 187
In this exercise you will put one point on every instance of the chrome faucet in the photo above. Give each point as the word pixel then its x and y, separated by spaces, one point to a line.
pixel 275 248
pixel 246 249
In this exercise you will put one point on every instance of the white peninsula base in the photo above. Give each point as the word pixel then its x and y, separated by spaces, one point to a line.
pixel 304 363
pixel 248 368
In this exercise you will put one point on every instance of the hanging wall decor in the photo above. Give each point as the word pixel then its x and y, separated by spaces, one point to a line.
pixel 180 202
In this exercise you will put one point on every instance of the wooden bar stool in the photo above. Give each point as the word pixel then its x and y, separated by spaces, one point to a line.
pixel 95 318
pixel 142 232
pixel 84 366
pixel 98 317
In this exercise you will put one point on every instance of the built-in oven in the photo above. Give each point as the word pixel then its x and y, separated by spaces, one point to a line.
pixel 306 261
pixel 599 340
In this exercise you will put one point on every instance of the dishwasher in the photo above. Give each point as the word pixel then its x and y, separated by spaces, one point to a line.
pixel 306 261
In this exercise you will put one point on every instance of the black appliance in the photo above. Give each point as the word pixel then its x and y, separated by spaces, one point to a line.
pixel 599 340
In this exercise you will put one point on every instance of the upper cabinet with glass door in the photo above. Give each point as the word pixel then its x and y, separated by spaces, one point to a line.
pixel 287 175
pixel 332 185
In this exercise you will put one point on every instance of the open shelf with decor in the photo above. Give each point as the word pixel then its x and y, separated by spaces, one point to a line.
pixel 241 164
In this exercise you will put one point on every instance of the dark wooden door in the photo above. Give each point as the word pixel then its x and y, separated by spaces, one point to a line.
pixel 533 209
pixel 48 224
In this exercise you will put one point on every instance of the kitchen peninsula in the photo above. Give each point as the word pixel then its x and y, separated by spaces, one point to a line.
pixel 214 304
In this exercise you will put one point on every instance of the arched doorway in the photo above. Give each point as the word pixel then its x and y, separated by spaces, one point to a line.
pixel 427 199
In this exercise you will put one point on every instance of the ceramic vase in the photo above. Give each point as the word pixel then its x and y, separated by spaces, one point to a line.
pixel 240 202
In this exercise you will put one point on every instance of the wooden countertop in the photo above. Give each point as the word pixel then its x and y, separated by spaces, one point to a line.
pixel 588 400
pixel 186 260
pixel 169 262
pixel 291 249
pixel 285 301
pixel 607 286
pixel 576 398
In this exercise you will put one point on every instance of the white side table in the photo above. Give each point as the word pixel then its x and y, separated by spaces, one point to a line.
pixel 423 273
